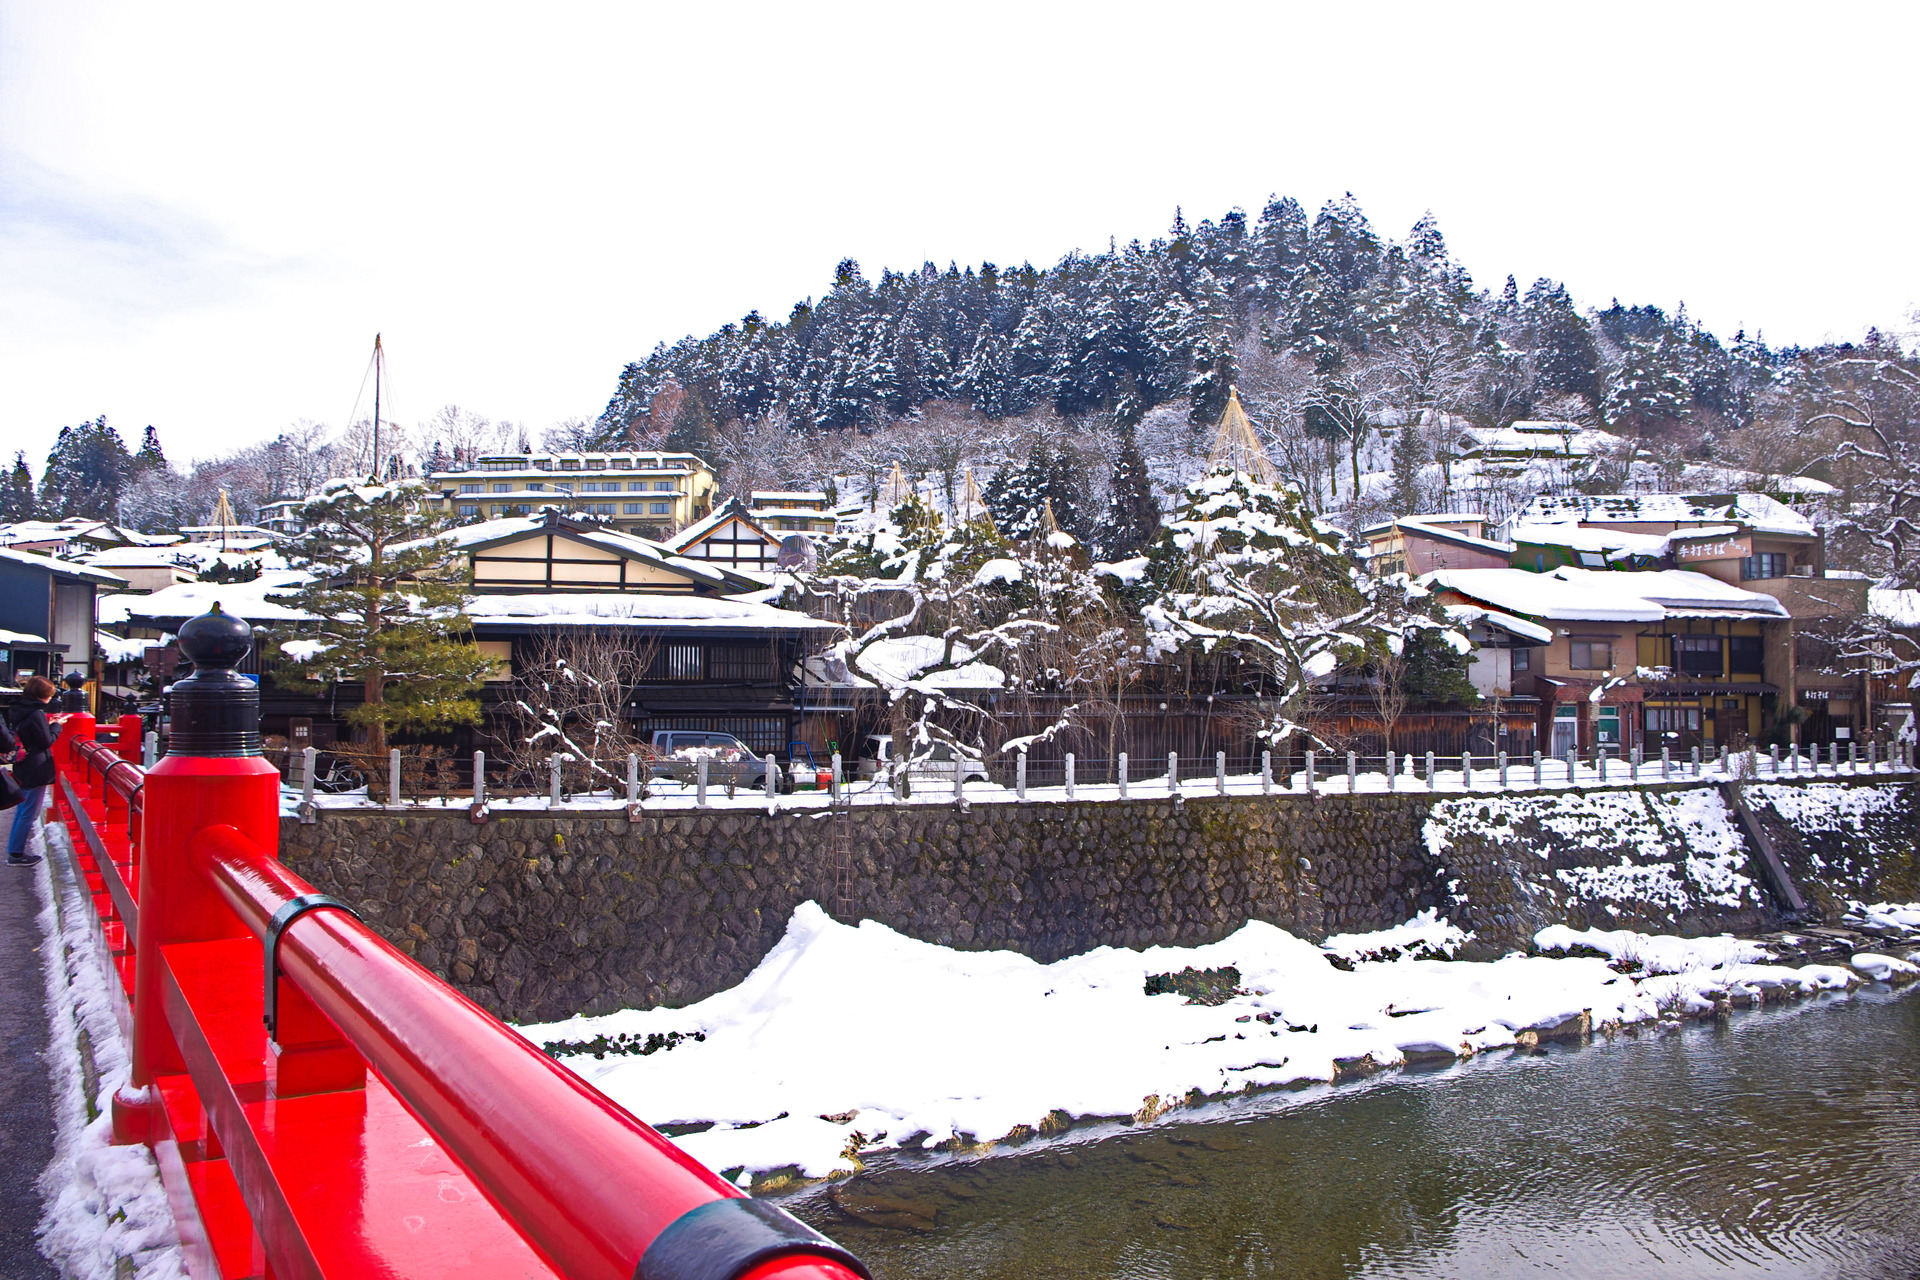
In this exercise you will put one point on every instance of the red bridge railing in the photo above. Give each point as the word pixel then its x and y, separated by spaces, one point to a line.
pixel 319 1105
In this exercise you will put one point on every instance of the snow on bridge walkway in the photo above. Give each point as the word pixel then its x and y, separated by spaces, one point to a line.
pixel 26 1100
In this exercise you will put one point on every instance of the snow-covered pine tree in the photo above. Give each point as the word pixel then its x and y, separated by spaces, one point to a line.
pixel 1280 245
pixel 1245 569
pixel 151 457
pixel 1132 519
pixel 385 611
pixel 1410 455
pixel 17 500
pixel 1560 343
pixel 1048 476
pixel 86 472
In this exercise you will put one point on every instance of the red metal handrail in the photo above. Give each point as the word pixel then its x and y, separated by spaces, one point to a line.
pixel 584 1183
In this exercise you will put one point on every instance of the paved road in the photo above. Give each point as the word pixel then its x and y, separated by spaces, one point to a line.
pixel 26 1102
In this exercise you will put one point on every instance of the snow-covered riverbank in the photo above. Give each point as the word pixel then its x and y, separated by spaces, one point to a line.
pixel 847 1039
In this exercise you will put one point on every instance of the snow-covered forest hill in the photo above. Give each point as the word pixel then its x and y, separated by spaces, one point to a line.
pixel 1329 330
pixel 1378 373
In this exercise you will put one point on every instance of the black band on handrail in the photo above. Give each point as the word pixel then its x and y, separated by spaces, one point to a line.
pixel 106 779
pixel 725 1239
pixel 290 910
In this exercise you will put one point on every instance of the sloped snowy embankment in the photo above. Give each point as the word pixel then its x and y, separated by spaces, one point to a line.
pixel 850 1038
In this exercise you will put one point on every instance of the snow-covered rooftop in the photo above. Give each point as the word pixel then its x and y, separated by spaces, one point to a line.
pixel 1430 527
pixel 1754 511
pixel 1576 537
pixel 72 529
pixel 1600 595
pixel 612 608
pixel 252 601
pixel 196 555
pixel 1900 607
pixel 1467 615
pixel 507 528
pixel 1568 439
pixel 67 568
pixel 733 509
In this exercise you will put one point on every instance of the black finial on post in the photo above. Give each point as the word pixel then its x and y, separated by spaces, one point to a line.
pixel 215 711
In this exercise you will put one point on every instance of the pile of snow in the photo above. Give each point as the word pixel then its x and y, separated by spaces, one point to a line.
pixel 1653 953
pixel 1885 968
pixel 847 1038
pixel 1885 915
pixel 1425 937
pixel 105 1204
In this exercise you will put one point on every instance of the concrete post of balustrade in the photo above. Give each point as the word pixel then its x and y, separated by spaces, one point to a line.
pixel 212 775
pixel 1123 775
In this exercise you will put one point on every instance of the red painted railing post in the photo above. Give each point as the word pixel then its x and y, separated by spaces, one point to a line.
pixel 213 775
pixel 75 728
pixel 127 745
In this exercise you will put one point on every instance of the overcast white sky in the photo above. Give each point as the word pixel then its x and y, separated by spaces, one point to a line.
pixel 208 209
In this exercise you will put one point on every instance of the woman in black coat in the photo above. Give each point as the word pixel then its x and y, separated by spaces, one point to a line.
pixel 27 717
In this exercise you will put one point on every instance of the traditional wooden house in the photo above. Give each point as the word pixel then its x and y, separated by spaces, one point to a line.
pixel 1422 544
pixel 1666 658
pixel 716 657
pixel 47 614
pixel 732 536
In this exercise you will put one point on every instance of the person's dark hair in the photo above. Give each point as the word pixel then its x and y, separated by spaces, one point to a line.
pixel 38 688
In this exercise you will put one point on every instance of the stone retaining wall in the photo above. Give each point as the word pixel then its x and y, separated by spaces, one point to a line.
pixel 540 915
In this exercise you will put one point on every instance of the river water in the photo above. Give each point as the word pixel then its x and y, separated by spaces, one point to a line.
pixel 1777 1143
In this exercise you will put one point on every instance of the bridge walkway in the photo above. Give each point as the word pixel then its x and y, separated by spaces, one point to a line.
pixel 26 1098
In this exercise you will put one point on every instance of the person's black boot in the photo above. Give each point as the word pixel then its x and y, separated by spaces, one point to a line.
pixel 22 859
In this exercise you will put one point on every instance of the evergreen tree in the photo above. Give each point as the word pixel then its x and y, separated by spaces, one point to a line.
pixel 1344 247
pixel 86 472
pixel 151 457
pixel 384 606
pixel 17 500
pixel 1245 570
pixel 1132 518
pixel 1409 456
pixel 1648 392
pixel 1564 357
pixel 1018 495
pixel 1280 245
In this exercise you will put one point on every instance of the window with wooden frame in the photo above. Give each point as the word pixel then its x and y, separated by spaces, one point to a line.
pixel 1697 655
pixel 1590 655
